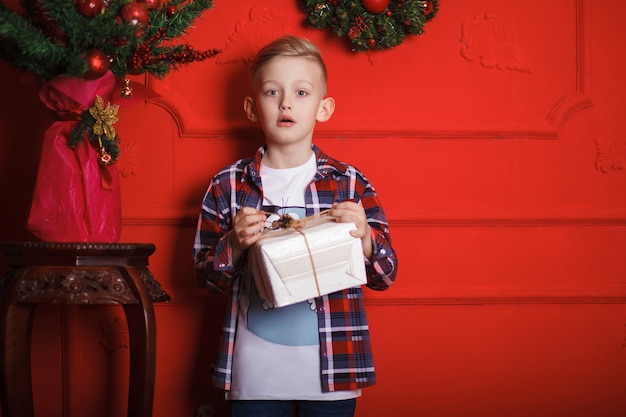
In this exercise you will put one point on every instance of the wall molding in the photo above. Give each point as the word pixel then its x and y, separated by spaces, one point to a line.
pixel 393 298
pixel 512 300
pixel 548 129
pixel 584 217
pixel 487 40
pixel 192 124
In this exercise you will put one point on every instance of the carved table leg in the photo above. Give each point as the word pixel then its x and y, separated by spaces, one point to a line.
pixel 142 331
pixel 15 383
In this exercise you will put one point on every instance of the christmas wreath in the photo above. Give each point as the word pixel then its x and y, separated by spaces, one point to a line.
pixel 371 24
pixel 86 39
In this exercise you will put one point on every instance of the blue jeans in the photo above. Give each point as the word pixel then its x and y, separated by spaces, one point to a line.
pixel 249 408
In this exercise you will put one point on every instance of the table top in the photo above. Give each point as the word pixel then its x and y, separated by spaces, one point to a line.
pixel 78 272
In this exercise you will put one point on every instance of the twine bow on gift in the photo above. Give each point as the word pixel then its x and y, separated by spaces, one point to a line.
pixel 287 222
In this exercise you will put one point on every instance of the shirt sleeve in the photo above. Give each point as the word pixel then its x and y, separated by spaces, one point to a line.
pixel 383 267
pixel 212 251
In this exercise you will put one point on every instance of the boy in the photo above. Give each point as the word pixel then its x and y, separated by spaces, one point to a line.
pixel 313 356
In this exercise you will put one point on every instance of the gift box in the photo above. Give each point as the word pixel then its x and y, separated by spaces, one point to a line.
pixel 295 264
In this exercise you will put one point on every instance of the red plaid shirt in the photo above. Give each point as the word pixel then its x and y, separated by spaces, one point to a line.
pixel 345 348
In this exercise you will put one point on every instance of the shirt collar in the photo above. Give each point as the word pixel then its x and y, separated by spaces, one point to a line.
pixel 325 164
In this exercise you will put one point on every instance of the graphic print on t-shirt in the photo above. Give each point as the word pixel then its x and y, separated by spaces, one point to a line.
pixel 292 325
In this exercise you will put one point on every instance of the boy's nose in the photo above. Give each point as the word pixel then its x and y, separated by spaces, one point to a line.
pixel 285 107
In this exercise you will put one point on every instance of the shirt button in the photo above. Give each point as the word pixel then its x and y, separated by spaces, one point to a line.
pixel 320 309
pixel 382 251
pixel 222 265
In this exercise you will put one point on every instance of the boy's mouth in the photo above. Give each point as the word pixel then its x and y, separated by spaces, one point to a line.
pixel 285 119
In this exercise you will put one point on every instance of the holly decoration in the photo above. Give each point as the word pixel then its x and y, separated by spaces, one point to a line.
pixel 371 24
pixel 87 38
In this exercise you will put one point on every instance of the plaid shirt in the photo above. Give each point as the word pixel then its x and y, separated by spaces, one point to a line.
pixel 345 348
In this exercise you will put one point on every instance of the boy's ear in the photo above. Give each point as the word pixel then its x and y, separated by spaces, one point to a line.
pixel 327 108
pixel 250 109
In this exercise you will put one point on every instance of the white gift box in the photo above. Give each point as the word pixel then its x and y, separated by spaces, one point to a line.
pixel 293 265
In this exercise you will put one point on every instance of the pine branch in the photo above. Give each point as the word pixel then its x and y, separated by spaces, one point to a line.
pixel 26 47
pixel 52 36
pixel 177 24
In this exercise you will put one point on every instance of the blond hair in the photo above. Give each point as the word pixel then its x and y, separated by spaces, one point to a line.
pixel 288 46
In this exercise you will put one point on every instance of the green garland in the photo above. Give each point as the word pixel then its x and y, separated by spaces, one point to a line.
pixel 371 29
pixel 85 38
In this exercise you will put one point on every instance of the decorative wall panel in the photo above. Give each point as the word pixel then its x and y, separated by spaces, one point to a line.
pixel 519 81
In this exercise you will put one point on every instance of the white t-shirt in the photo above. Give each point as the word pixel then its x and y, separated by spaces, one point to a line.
pixel 277 353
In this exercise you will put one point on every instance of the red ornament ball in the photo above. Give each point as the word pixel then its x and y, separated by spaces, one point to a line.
pixel 428 7
pixel 375 6
pixel 97 62
pixel 135 13
pixel 151 4
pixel 89 8
pixel 171 11
pixel 104 158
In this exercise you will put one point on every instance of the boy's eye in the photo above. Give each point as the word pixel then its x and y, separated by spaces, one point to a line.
pixel 271 93
pixel 301 93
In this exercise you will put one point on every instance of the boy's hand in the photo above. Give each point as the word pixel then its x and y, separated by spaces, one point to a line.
pixel 247 227
pixel 351 212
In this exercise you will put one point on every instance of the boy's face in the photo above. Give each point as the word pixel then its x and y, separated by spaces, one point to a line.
pixel 289 100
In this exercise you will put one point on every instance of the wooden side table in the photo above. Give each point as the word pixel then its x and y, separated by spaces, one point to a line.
pixel 76 273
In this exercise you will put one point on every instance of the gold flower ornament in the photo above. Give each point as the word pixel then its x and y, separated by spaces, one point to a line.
pixel 105 117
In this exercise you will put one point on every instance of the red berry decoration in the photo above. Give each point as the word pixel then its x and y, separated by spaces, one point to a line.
pixel 135 13
pixel 375 6
pixel 98 63
pixel 89 8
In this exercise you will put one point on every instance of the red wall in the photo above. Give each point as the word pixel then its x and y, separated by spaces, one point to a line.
pixel 497 144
